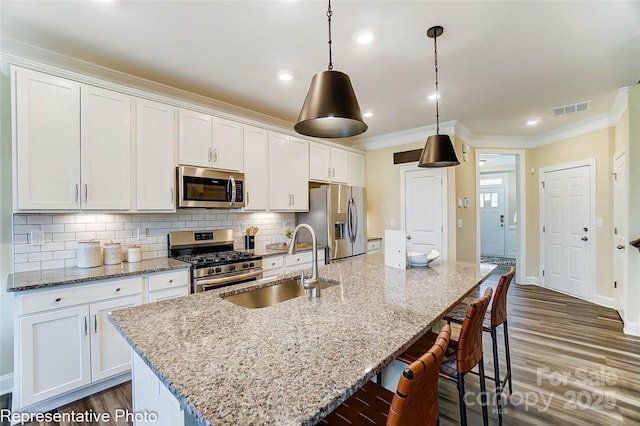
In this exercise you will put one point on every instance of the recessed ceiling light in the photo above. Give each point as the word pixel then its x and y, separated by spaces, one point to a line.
pixel 364 37
pixel 285 76
pixel 368 114
pixel 533 122
pixel 434 96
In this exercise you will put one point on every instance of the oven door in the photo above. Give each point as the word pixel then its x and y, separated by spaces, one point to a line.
pixel 204 284
pixel 202 187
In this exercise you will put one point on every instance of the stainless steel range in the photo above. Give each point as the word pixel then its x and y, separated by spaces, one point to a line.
pixel 214 262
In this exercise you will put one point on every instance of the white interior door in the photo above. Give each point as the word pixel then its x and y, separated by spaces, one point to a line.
pixel 567 219
pixel 620 221
pixel 493 212
pixel 424 210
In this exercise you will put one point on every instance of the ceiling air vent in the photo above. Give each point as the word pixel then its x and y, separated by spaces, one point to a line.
pixel 570 109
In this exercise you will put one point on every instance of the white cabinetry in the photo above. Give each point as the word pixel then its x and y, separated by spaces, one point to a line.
pixel 277 265
pixel 356 169
pixel 288 173
pixel 155 156
pixel 55 353
pixel 66 348
pixel 207 141
pixel 73 145
pixel 328 164
pixel 256 168
pixel 105 150
pixel 47 126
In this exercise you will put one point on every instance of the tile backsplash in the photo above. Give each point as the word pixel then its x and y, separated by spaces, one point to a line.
pixel 63 231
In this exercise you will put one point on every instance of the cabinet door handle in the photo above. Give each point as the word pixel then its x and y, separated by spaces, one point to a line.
pixel 86 192
pixel 95 323
pixel 215 155
pixel 247 202
pixel 86 326
pixel 77 194
pixel 293 199
pixel 170 195
pixel 328 171
pixel 209 153
pixel 118 289
pixel 334 173
pixel 58 299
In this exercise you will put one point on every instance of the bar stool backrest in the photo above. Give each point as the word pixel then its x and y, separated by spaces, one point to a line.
pixel 499 304
pixel 470 340
pixel 416 400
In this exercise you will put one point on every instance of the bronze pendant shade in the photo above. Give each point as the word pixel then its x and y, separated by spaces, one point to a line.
pixel 438 150
pixel 331 108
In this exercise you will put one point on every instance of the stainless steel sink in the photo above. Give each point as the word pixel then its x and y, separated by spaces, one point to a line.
pixel 270 295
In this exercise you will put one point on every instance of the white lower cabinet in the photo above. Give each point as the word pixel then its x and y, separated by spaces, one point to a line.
pixel 277 265
pixel 55 353
pixel 65 346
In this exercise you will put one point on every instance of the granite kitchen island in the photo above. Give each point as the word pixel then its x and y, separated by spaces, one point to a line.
pixel 293 362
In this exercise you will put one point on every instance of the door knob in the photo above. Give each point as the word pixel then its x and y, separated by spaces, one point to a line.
pixel 585 229
pixel 408 237
pixel 585 238
pixel 620 247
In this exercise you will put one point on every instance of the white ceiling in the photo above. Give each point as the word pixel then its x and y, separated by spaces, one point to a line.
pixel 501 63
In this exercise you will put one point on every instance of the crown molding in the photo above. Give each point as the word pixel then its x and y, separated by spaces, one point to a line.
pixel 404 137
pixel 461 131
pixel 620 105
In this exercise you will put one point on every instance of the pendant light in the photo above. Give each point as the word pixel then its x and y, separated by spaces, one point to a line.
pixel 438 151
pixel 330 109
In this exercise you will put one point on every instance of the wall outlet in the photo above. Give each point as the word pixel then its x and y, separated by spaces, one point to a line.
pixel 37 238
pixel 393 221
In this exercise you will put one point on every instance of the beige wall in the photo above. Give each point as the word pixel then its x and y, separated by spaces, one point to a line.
pixel 598 145
pixel 383 197
pixel 622 131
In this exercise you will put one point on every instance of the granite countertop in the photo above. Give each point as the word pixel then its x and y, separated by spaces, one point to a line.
pixel 293 362
pixel 374 238
pixel 54 277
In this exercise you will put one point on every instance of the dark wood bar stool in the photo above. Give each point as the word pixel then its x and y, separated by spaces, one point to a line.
pixel 497 317
pixel 462 355
pixel 415 402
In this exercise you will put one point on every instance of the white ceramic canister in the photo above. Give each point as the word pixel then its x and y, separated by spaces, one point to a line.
pixel 134 254
pixel 112 253
pixel 89 254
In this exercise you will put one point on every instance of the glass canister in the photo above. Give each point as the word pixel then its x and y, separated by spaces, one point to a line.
pixel 89 254
pixel 112 253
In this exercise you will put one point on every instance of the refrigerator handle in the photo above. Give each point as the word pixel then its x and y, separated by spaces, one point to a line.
pixel 355 221
pixel 349 219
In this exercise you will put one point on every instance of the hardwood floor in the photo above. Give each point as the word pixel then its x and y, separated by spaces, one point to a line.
pixel 571 365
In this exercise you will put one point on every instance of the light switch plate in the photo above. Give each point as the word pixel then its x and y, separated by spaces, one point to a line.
pixel 459 223
pixel 599 223
pixel 37 238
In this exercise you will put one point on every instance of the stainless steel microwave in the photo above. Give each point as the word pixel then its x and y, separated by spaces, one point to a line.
pixel 209 188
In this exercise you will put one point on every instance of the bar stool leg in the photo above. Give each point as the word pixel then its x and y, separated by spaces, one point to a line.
pixel 379 378
pixel 463 407
pixel 483 393
pixel 508 354
pixel 496 372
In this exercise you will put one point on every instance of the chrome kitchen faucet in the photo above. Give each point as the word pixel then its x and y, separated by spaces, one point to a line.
pixel 312 283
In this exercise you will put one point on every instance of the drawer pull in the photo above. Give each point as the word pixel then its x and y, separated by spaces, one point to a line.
pixel 58 299
pixel 118 289
pixel 170 281
pixel 273 263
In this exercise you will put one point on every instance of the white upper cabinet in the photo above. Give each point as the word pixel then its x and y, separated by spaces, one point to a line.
pixel 73 145
pixel 105 171
pixel 256 165
pixel 328 164
pixel 207 141
pixel 155 156
pixel 288 173
pixel 227 145
pixel 195 138
pixel 319 162
pixel 48 142
pixel 339 165
pixel 356 169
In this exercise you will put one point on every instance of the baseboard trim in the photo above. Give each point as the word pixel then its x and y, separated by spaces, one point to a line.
pixel 631 328
pixel 531 281
pixel 6 384
pixel 608 302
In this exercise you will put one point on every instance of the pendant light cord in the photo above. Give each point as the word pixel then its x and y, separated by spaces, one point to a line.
pixel 329 14
pixel 435 47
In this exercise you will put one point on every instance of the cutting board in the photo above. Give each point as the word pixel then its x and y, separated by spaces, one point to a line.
pixel 395 248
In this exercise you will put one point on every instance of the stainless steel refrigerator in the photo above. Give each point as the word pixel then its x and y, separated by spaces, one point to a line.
pixel 337 215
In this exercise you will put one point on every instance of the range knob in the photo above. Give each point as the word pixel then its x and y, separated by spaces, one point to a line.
pixel 218 269
pixel 211 271
pixel 232 267
pixel 245 265
pixel 252 264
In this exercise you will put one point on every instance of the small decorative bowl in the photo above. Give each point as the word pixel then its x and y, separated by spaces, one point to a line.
pixel 422 259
